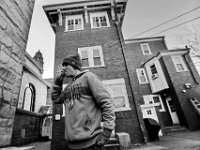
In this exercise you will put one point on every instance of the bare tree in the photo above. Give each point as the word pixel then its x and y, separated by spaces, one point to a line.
pixel 190 37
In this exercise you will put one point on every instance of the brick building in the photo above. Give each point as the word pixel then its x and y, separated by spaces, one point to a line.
pixel 163 80
pixel 15 19
pixel 93 29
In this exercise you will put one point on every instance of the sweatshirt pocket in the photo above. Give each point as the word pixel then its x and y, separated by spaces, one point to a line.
pixel 88 122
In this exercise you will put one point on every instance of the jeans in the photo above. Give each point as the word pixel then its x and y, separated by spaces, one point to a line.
pixel 93 147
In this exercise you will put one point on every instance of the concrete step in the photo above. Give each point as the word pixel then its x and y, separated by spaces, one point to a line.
pixel 172 129
pixel 113 144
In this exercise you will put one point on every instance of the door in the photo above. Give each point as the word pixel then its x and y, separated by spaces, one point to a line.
pixel 172 110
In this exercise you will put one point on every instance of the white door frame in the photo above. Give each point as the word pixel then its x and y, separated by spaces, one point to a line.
pixel 173 115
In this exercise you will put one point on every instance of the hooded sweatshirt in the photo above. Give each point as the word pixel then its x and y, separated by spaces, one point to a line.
pixel 87 104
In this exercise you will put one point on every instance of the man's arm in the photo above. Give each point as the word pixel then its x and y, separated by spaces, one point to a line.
pixel 57 95
pixel 103 99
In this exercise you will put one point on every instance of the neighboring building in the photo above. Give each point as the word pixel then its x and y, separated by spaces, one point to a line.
pixel 15 19
pixel 30 124
pixel 34 89
pixel 163 81
pixel 92 28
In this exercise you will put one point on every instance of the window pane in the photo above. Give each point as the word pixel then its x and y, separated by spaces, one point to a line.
pixel 85 62
pixel 103 21
pixel 153 69
pixel 142 79
pixel 96 53
pixel 119 102
pixel 117 91
pixel 78 24
pixel 156 99
pixel 180 67
pixel 84 54
pixel 97 61
pixel 70 25
pixel 95 22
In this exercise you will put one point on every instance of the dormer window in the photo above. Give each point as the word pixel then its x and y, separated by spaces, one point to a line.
pixel 99 20
pixel 154 72
pixel 74 22
pixel 145 49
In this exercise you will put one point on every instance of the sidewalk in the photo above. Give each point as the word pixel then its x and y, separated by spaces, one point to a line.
pixel 174 141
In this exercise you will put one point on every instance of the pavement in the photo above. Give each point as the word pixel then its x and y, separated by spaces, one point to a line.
pixel 173 141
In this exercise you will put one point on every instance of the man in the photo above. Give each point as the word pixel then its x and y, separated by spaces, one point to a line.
pixel 87 104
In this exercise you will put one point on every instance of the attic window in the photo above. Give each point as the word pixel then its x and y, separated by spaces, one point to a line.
pixel 99 20
pixel 145 49
pixel 74 22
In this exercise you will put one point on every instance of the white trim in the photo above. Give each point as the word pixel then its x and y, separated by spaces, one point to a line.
pixel 148 98
pixel 73 17
pixel 99 14
pixel 148 49
pixel 118 82
pixel 181 62
pixel 128 41
pixel 138 70
pixel 89 51
pixel 172 52
pixel 72 3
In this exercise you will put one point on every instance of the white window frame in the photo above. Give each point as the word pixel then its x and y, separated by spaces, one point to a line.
pixel 99 14
pixel 90 55
pixel 181 62
pixel 138 70
pixel 73 17
pixel 118 82
pixel 148 49
pixel 154 75
pixel 148 99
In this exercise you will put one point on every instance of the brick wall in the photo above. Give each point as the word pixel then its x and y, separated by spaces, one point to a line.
pixel 27 127
pixel 178 79
pixel 67 43
pixel 15 19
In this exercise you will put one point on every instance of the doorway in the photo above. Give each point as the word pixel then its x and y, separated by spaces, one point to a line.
pixel 172 110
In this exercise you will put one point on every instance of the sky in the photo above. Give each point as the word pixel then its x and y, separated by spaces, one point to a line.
pixel 140 16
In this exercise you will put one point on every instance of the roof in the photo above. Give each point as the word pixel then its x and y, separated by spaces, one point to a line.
pixel 45 109
pixel 144 39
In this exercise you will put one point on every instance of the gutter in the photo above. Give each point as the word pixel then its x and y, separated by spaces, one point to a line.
pixel 129 80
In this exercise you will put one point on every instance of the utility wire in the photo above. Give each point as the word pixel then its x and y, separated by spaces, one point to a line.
pixel 166 22
pixel 176 26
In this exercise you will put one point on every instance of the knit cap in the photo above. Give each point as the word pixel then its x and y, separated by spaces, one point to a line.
pixel 73 61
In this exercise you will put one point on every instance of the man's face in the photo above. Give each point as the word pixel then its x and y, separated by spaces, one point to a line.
pixel 68 70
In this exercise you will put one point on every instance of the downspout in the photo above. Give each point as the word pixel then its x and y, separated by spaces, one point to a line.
pixel 121 40
pixel 191 71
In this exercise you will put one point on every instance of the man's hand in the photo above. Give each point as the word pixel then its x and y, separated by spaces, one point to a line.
pixel 59 80
pixel 104 137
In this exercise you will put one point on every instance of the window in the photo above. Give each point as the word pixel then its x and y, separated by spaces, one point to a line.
pixel 154 99
pixel 179 63
pixel 99 20
pixel 154 72
pixel 28 102
pixel 74 23
pixel 117 90
pixel 141 75
pixel 145 49
pixel 91 56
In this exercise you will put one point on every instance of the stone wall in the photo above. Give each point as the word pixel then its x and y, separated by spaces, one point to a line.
pixel 15 19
